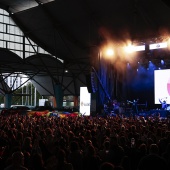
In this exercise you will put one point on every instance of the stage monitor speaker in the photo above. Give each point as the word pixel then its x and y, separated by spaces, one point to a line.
pixel 91 82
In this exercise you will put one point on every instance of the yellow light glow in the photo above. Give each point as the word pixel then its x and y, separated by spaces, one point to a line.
pixel 129 48
pixel 168 43
pixel 109 52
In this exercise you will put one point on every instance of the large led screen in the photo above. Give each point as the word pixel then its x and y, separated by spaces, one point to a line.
pixel 162 85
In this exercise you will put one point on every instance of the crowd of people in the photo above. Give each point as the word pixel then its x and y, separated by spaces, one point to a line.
pixel 84 143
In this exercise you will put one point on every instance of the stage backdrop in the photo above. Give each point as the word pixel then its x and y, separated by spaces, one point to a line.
pixel 139 84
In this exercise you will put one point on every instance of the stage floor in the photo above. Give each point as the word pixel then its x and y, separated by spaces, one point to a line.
pixel 144 113
pixel 152 112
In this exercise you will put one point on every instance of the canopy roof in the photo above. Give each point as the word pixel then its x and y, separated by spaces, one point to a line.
pixel 75 30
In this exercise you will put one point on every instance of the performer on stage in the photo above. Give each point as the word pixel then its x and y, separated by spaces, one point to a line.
pixel 164 104
pixel 115 107
pixel 134 107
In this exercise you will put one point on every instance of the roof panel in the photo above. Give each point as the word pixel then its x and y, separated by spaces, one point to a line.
pixel 72 30
pixel 15 6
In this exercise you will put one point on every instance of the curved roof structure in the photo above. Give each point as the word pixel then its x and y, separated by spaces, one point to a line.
pixel 45 71
pixel 74 31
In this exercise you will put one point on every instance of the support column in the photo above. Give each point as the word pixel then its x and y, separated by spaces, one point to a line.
pixel 93 107
pixel 8 100
pixel 58 95
pixel 53 101
pixel 75 101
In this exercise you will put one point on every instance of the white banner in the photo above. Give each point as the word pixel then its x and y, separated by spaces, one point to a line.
pixel 85 101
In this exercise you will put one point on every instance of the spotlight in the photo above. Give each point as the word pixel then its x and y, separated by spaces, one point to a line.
pixel 162 62
pixel 132 48
pixel 158 45
pixel 110 52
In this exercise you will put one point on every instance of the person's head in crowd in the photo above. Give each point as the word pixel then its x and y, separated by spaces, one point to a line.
pixel 122 141
pixel 48 131
pixel 106 144
pixel 62 142
pixel 74 146
pixel 108 131
pixel 27 142
pixel 61 155
pixel 27 157
pixel 106 166
pixel 49 139
pixel 113 139
pixel 125 163
pixel 168 148
pixel 149 142
pixel 153 149
pixel 143 148
pixel 88 135
pixel 37 161
pixel 90 150
pixel 123 128
pixel 88 142
pixel 133 128
pixel 20 136
pixel 118 168
pixel 18 158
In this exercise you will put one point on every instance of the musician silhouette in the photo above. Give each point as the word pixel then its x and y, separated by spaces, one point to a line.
pixel 116 107
pixel 164 104
pixel 134 107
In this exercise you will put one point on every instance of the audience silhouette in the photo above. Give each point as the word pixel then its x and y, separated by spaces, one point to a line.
pixel 84 143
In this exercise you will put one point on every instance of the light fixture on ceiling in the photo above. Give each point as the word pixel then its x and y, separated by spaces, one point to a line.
pixel 158 45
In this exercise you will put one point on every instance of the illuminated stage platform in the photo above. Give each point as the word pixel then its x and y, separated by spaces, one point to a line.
pixel 155 112
pixel 147 113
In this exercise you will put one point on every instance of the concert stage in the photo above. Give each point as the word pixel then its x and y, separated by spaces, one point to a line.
pixel 155 112
pixel 143 113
